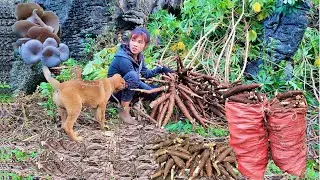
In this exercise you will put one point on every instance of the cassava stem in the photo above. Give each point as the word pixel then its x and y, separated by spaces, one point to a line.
pixel 154 90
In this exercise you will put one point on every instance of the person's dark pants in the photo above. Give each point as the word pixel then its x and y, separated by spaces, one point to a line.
pixel 133 82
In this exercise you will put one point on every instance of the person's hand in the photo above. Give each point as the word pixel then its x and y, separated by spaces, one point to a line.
pixel 166 70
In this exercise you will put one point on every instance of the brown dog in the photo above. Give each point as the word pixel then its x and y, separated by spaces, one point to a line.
pixel 70 96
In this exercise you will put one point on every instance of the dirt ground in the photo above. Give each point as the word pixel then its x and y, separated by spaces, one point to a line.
pixel 119 152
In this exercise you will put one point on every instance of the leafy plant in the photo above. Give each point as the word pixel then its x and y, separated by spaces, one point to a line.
pixel 312 170
pixel 65 74
pixel 218 132
pixel 274 81
pixel 179 127
pixel 6 175
pixel 97 69
pixel 112 112
pixel 88 44
pixel 5 95
pixel 273 169
pixel 4 85
pixel 15 155
pixel 47 92
pixel 186 128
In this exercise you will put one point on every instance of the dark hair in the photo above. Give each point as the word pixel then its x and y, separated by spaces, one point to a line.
pixel 140 31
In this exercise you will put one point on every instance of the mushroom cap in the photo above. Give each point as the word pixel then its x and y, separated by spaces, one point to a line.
pixel 50 42
pixel 42 34
pixel 24 10
pixel 50 56
pixel 35 18
pixel 51 19
pixel 64 51
pixel 19 42
pixel 31 51
pixel 22 27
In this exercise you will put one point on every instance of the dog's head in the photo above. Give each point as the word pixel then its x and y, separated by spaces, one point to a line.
pixel 119 82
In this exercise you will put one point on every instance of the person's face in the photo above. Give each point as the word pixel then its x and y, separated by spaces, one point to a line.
pixel 137 45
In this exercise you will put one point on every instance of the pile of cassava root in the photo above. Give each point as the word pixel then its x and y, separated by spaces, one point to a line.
pixel 244 94
pixel 179 156
pixel 199 97
pixel 290 99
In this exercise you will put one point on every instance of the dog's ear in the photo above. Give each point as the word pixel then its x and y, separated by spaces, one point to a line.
pixel 117 76
pixel 76 72
pixel 119 82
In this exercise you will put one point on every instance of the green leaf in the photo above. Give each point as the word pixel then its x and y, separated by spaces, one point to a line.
pixel 156 55
pixel 171 127
pixel 19 155
pixel 33 154
pixel 30 177
pixel 187 127
pixel 252 35
pixel 97 59
pixel 88 69
pixel 262 15
pixel 179 126
pixel 102 73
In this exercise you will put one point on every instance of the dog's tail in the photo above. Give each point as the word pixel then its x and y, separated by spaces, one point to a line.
pixel 47 74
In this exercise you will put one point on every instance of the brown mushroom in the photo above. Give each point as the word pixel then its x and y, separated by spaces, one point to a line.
pixel 22 27
pixel 37 20
pixel 24 10
pixel 51 19
pixel 41 34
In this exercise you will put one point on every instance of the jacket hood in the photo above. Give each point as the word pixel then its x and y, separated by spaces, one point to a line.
pixel 124 51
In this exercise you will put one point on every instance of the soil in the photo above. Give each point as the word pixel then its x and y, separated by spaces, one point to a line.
pixel 115 153
pixel 119 152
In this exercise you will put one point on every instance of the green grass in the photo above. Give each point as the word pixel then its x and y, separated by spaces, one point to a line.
pixel 15 155
pixel 312 170
pixel 7 175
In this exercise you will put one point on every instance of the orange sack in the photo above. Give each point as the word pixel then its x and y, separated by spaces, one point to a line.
pixel 248 137
pixel 287 136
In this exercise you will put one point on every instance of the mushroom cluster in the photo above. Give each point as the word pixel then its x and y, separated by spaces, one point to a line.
pixel 48 52
pixel 40 35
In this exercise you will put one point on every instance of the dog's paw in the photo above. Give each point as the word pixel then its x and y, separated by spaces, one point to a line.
pixel 106 127
pixel 79 138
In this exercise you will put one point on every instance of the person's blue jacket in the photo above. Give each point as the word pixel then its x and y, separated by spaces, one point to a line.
pixel 123 63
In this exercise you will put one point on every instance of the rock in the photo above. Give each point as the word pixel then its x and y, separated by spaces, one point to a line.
pixel 25 78
pixel 7 38
pixel 283 33
pixel 287 29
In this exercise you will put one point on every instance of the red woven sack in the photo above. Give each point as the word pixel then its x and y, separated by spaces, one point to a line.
pixel 248 137
pixel 287 135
